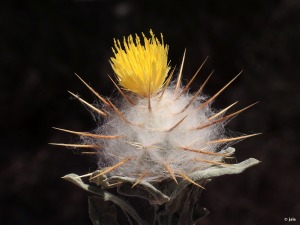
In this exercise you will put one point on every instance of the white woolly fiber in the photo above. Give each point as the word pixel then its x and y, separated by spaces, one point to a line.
pixel 151 138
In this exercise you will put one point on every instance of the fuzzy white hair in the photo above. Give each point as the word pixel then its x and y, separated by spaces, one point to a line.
pixel 161 139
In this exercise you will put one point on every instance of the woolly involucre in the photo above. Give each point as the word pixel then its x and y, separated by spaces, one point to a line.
pixel 157 130
pixel 159 141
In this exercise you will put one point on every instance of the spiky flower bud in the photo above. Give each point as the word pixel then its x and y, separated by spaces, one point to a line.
pixel 157 130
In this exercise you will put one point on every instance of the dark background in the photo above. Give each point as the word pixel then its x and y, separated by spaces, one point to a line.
pixel 43 43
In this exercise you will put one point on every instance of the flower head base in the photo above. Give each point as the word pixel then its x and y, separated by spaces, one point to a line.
pixel 141 69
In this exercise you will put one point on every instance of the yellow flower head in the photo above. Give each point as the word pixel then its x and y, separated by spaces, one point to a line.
pixel 141 69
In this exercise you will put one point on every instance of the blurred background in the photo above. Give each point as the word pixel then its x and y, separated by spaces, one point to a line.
pixel 42 44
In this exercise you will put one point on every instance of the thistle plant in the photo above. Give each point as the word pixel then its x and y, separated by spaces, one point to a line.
pixel 156 144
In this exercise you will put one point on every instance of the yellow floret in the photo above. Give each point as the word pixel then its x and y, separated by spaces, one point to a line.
pixel 141 69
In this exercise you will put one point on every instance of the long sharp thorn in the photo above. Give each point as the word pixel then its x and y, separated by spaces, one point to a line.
pixel 89 105
pixel 231 139
pixel 88 134
pixel 189 180
pixel 177 124
pixel 89 153
pixel 85 175
pixel 170 170
pixel 237 112
pixel 92 90
pixel 218 93
pixel 167 83
pixel 201 151
pixel 149 103
pixel 222 111
pixel 111 168
pixel 196 94
pixel 149 95
pixel 120 114
pixel 212 162
pixel 76 145
pixel 224 118
pixel 190 82
pixel 122 93
pixel 180 74
pixel 140 179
